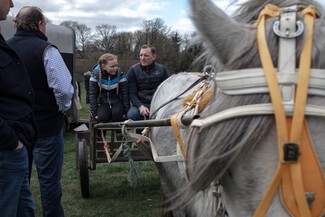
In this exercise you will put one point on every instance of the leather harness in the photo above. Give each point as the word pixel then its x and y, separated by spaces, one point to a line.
pixel 299 170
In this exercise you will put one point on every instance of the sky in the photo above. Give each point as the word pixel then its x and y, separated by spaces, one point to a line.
pixel 126 15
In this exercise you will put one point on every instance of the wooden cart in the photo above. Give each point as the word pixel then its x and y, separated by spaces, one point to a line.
pixel 90 151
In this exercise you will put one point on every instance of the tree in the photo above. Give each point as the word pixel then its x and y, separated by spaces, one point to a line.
pixel 189 54
pixel 105 37
pixel 83 34
pixel 173 49
pixel 153 32
pixel 124 44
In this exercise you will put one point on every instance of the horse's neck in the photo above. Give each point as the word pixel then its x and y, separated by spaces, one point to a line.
pixel 172 174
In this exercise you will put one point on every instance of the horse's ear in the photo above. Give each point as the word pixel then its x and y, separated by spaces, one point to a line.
pixel 221 34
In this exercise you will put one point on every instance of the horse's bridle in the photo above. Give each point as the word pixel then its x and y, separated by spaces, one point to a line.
pixel 290 101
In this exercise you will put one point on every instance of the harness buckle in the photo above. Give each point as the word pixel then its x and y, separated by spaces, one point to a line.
pixel 290 152
pixel 209 72
pixel 287 33
pixel 310 196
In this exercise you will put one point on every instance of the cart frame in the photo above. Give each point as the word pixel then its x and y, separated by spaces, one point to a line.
pixel 90 151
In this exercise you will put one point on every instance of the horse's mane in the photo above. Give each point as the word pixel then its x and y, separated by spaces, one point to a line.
pixel 248 11
pixel 212 150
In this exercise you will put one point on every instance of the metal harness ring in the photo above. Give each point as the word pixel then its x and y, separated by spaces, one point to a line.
pixel 287 33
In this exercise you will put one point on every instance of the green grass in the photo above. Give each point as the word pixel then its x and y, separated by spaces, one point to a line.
pixel 84 112
pixel 110 193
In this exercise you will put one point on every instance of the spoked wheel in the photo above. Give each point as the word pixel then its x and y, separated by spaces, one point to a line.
pixel 83 168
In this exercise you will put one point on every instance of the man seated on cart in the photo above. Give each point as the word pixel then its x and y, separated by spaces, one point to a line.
pixel 108 91
pixel 144 79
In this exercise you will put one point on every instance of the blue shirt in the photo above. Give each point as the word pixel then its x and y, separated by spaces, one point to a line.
pixel 58 78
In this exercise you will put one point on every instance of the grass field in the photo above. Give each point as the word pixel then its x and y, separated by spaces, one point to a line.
pixel 110 193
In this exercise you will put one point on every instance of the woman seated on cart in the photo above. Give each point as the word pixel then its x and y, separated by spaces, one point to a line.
pixel 108 91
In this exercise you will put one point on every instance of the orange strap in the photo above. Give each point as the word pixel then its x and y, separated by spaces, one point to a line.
pixel 276 97
pixel 177 133
pixel 312 178
pixel 296 203
pixel 306 175
pixel 203 95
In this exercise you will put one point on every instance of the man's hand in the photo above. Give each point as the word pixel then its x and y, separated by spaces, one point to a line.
pixel 19 146
pixel 144 111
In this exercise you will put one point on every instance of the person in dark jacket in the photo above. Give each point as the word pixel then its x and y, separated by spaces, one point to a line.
pixel 17 130
pixel 144 78
pixel 108 90
pixel 51 81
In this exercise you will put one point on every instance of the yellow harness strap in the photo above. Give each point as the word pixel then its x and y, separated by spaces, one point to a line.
pixel 177 133
pixel 202 95
pixel 306 175
pixel 311 178
pixel 292 174
pixel 271 10
pixel 205 95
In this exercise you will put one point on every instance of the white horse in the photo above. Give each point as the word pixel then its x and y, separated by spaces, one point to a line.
pixel 172 174
pixel 243 152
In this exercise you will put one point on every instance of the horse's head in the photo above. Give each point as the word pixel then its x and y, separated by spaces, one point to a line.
pixel 214 152
pixel 231 43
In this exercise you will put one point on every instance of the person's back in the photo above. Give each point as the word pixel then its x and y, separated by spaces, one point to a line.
pixel 48 118
pixel 17 130
pixel 51 81
pixel 144 78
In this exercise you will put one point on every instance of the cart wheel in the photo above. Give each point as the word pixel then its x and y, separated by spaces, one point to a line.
pixel 83 168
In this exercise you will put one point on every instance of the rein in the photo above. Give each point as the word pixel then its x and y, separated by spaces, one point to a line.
pixel 189 103
pixel 179 95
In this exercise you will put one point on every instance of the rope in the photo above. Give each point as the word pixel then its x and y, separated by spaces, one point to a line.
pixel 134 172
pixel 106 147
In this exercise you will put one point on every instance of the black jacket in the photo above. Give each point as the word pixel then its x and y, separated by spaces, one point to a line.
pixel 143 82
pixel 16 101
pixel 114 88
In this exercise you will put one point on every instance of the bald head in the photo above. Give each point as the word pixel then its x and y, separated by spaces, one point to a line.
pixel 24 11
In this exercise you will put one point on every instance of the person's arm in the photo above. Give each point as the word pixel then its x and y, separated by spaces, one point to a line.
pixel 58 78
pixel 133 88
pixel 93 94
pixel 8 137
pixel 124 94
pixel 165 73
pixel 86 80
